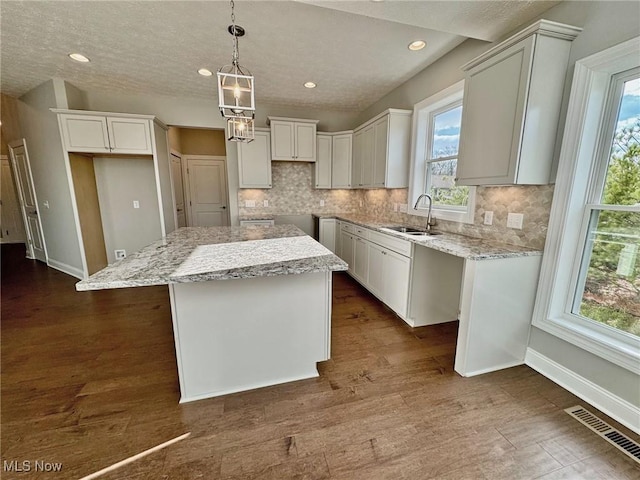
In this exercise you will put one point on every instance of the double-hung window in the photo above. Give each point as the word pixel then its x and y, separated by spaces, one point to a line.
pixel 436 136
pixel 589 292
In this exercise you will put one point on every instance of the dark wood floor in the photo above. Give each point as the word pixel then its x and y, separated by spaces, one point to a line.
pixel 89 379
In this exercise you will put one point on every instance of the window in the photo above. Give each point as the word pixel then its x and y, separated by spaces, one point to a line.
pixel 589 291
pixel 436 135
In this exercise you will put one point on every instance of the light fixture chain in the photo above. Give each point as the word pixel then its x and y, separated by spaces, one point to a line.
pixel 236 52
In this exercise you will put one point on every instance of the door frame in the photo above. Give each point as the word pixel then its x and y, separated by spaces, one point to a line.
pixel 187 186
pixel 27 228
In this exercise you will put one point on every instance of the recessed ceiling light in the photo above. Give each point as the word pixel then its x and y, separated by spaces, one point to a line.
pixel 417 45
pixel 78 57
pixel 205 72
pixel 310 85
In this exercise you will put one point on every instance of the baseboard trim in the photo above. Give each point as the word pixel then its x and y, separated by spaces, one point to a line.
pixel 68 269
pixel 605 401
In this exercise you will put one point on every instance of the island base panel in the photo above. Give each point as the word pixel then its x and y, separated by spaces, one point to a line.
pixel 237 335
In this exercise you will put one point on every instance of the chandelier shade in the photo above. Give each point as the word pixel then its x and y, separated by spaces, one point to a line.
pixel 240 129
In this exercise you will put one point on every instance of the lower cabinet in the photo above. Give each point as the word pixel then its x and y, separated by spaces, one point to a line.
pixel 327 234
pixel 384 272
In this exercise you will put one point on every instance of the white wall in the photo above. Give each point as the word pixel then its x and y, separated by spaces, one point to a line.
pixel 120 181
pixel 40 129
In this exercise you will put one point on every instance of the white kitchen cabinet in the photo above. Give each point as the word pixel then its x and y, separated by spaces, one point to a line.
pixel 376 274
pixel 396 271
pixel 322 170
pixel 254 161
pixel 361 260
pixel 381 154
pixel 342 151
pixel 293 139
pixel 347 248
pixel 327 234
pixel 97 133
pixel 511 107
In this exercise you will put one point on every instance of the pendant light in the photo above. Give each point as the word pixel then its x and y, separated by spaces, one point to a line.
pixel 236 93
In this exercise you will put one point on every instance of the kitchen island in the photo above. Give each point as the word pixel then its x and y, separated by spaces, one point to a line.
pixel 251 306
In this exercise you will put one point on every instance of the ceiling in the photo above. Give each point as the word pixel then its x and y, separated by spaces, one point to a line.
pixel 355 51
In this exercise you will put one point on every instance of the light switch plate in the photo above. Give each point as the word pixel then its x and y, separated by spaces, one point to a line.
pixel 250 203
pixel 136 204
pixel 265 203
pixel 488 218
pixel 322 203
pixel 395 207
pixel 514 220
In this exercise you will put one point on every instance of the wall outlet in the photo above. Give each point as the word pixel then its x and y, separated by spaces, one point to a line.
pixel 322 203
pixel 395 207
pixel 136 204
pixel 46 204
pixel 403 208
pixel 488 218
pixel 265 203
pixel 514 220
pixel 250 203
pixel 120 254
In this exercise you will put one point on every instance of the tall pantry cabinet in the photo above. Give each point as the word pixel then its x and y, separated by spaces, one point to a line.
pixel 119 174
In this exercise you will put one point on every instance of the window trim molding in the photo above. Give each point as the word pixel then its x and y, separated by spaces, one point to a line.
pixel 419 139
pixel 581 146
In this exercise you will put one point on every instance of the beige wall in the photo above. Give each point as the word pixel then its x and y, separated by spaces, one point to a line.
pixel 198 141
pixel 10 128
pixel 175 141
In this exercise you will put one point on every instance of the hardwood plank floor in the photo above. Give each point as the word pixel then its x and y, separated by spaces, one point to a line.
pixel 90 378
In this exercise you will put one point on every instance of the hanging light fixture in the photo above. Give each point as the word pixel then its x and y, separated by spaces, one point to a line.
pixel 236 92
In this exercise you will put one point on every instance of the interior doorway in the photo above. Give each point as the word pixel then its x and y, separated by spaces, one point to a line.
pixel 199 175
pixel 28 201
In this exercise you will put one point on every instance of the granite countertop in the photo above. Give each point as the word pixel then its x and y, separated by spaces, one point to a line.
pixel 198 254
pixel 459 245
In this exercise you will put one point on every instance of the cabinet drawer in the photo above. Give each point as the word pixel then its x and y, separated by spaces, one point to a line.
pixel 398 245
pixel 348 227
pixel 361 231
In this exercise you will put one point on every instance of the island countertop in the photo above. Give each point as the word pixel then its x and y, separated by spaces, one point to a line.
pixel 198 254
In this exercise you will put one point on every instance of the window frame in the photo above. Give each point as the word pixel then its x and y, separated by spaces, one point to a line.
pixel 582 167
pixel 421 147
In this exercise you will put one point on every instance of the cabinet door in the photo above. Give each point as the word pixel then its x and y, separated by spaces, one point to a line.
pixel 376 275
pixel 396 271
pixel 305 142
pixel 368 149
pixel 254 162
pixel 85 133
pixel 328 233
pixel 347 249
pixel 129 135
pixel 493 116
pixel 282 140
pixel 381 134
pixel 356 170
pixel 341 161
pixel 361 260
pixel 322 173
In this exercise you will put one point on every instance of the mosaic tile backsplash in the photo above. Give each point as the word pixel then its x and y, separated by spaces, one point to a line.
pixel 292 194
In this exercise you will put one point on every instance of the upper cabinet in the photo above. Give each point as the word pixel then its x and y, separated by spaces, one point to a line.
pixel 381 151
pixel 333 160
pixel 254 161
pixel 293 139
pixel 91 133
pixel 511 107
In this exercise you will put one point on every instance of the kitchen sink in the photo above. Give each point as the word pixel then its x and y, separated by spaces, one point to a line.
pixel 410 230
pixel 423 234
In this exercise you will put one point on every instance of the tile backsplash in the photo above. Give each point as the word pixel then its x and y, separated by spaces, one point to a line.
pixel 292 194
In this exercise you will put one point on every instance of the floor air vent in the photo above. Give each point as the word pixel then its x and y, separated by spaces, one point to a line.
pixel 606 431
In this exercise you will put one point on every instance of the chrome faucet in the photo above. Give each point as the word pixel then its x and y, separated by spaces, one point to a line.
pixel 430 222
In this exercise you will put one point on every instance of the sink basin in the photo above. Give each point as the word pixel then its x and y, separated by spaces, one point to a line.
pixel 423 234
pixel 409 230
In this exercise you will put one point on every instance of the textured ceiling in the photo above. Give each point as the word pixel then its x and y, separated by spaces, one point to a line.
pixel 355 51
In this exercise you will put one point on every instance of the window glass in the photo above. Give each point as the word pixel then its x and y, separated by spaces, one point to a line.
pixel 609 284
pixel 446 133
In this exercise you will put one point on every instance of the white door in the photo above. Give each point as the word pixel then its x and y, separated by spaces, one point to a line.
pixel 206 192
pixel 178 190
pixel 28 200
pixel 11 225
